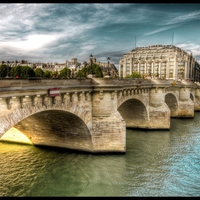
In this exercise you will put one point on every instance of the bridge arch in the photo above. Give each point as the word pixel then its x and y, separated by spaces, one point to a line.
pixel 134 113
pixel 64 125
pixel 172 102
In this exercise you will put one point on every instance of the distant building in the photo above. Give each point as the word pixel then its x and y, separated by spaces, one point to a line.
pixel 59 66
pixel 107 68
pixel 17 63
pixel 73 65
pixel 158 61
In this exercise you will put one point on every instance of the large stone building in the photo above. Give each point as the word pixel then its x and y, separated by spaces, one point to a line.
pixel 158 61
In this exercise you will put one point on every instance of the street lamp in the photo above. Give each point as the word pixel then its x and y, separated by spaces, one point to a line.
pixel 91 57
pixel 91 75
pixel 108 72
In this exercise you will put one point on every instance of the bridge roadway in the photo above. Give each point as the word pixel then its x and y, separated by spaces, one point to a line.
pixel 92 114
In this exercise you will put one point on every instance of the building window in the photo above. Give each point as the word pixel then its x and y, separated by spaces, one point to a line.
pixel 163 72
pixel 171 73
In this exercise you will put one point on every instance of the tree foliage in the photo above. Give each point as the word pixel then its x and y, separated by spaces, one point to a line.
pixel 65 73
pixel 134 75
pixel 4 70
pixel 48 74
pixel 26 72
pixel 55 74
pixel 83 72
pixel 39 72
pixel 96 70
pixel 22 71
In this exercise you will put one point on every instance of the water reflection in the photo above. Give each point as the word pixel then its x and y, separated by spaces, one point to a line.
pixel 157 163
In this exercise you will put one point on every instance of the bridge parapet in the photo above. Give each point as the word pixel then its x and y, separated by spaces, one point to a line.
pixel 43 83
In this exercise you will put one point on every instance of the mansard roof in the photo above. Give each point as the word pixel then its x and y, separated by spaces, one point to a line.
pixel 156 47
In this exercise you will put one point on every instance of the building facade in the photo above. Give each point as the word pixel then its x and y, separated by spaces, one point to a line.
pixel 197 72
pixel 158 61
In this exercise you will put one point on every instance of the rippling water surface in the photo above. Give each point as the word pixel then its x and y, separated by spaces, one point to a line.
pixel 157 163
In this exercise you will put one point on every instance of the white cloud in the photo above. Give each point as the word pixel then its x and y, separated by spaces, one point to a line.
pixel 161 29
pixel 190 48
pixel 89 47
pixel 32 42
pixel 183 18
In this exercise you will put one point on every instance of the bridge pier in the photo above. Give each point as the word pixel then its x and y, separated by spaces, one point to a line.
pixel 109 134
pixel 197 100
pixel 181 100
pixel 159 112
pixel 108 127
pixel 186 105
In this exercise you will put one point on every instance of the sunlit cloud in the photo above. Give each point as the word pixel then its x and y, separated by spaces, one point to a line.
pixel 31 42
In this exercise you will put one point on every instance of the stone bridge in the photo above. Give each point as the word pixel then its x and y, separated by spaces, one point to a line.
pixel 92 114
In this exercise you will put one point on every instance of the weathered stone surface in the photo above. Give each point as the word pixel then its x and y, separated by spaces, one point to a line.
pixel 92 114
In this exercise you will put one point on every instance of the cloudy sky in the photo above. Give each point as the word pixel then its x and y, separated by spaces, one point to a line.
pixel 59 32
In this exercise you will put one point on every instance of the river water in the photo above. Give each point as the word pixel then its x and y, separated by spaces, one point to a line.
pixel 156 163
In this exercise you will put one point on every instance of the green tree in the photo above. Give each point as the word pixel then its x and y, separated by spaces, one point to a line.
pixel 65 73
pixel 83 72
pixel 15 71
pixel 134 75
pixel 4 70
pixel 22 71
pixel 26 72
pixel 48 74
pixel 39 72
pixel 55 74
pixel 96 70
